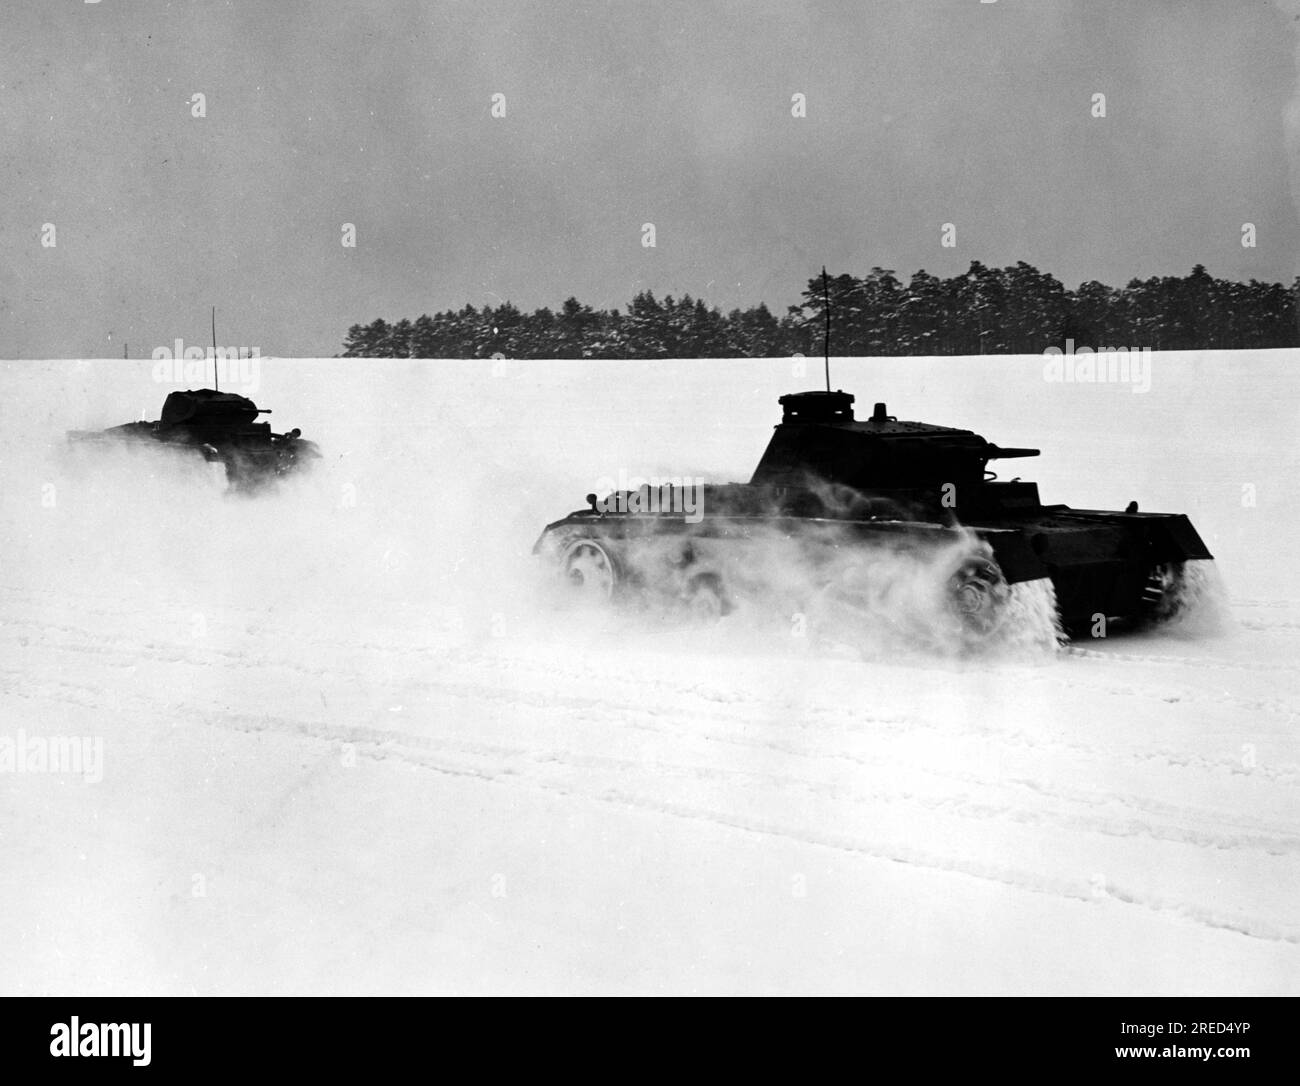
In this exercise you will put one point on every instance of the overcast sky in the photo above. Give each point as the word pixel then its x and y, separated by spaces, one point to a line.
pixel 674 112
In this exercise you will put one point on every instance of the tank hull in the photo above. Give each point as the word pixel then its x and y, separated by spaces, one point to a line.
pixel 1101 564
pixel 218 428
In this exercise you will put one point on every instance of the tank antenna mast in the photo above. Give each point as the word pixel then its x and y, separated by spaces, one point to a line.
pixel 826 341
pixel 216 377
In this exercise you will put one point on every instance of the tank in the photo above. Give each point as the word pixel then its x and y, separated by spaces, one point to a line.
pixel 874 517
pixel 220 427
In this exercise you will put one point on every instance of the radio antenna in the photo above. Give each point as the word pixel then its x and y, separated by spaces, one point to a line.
pixel 216 377
pixel 826 341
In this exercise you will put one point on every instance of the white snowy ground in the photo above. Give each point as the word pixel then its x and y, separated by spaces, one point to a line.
pixel 349 745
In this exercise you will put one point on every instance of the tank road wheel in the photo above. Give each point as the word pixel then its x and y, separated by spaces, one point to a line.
pixel 589 570
pixel 977 595
pixel 705 598
pixel 1181 592
pixel 1160 593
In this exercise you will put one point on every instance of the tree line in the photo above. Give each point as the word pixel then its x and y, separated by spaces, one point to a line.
pixel 1013 310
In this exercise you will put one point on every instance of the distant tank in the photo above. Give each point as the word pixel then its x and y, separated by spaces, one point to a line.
pixel 901 496
pixel 220 427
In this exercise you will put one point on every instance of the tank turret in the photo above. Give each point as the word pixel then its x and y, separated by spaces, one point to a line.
pixel 818 439
pixel 208 409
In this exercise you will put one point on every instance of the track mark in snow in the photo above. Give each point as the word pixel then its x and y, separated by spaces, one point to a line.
pixel 571 774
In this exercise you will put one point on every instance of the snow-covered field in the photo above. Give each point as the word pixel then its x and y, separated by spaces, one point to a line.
pixel 349 745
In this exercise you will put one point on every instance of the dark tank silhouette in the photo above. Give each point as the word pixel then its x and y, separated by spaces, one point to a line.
pixel 220 427
pixel 895 492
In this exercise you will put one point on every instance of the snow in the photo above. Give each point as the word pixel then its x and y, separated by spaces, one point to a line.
pixel 351 743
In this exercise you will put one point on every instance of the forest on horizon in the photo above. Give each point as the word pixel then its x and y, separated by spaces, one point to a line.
pixel 1012 310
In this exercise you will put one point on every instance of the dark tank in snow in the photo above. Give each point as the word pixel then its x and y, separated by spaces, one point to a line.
pixel 220 427
pixel 848 510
